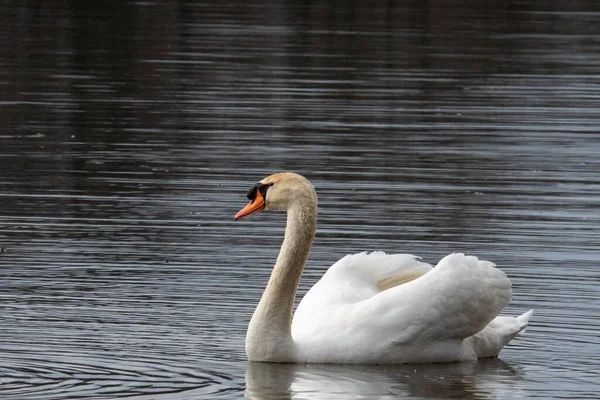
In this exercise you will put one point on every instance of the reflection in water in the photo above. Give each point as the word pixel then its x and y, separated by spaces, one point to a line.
pixel 459 380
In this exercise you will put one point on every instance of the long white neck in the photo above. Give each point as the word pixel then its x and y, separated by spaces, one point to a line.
pixel 269 336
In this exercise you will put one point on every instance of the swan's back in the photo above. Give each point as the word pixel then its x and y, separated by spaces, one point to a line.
pixel 374 307
pixel 358 277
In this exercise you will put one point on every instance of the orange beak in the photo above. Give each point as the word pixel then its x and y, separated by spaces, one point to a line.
pixel 255 205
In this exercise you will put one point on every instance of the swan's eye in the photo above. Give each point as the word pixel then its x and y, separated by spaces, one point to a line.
pixel 261 187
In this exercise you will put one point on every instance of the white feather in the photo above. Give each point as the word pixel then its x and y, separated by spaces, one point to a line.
pixel 346 318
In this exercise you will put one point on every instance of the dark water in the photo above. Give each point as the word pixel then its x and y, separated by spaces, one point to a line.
pixel 130 132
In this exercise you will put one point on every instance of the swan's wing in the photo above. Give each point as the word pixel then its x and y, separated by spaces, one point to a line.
pixel 353 279
pixel 358 277
pixel 456 299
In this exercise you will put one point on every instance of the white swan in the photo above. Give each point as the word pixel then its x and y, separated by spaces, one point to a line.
pixel 372 307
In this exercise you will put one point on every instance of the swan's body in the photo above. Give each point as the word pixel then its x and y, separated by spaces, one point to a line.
pixel 372 308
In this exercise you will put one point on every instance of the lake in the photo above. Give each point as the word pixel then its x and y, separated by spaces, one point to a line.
pixel 131 131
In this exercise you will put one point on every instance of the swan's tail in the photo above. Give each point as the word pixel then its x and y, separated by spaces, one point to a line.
pixel 523 321
pixel 498 333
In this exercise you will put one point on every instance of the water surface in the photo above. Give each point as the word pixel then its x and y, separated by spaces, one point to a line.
pixel 130 133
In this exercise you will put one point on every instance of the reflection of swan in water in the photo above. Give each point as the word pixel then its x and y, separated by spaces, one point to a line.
pixel 372 308
pixel 481 379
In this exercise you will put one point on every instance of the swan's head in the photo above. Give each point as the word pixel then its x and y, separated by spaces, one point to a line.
pixel 281 191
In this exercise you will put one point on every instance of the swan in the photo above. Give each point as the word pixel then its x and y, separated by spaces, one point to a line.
pixel 372 308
